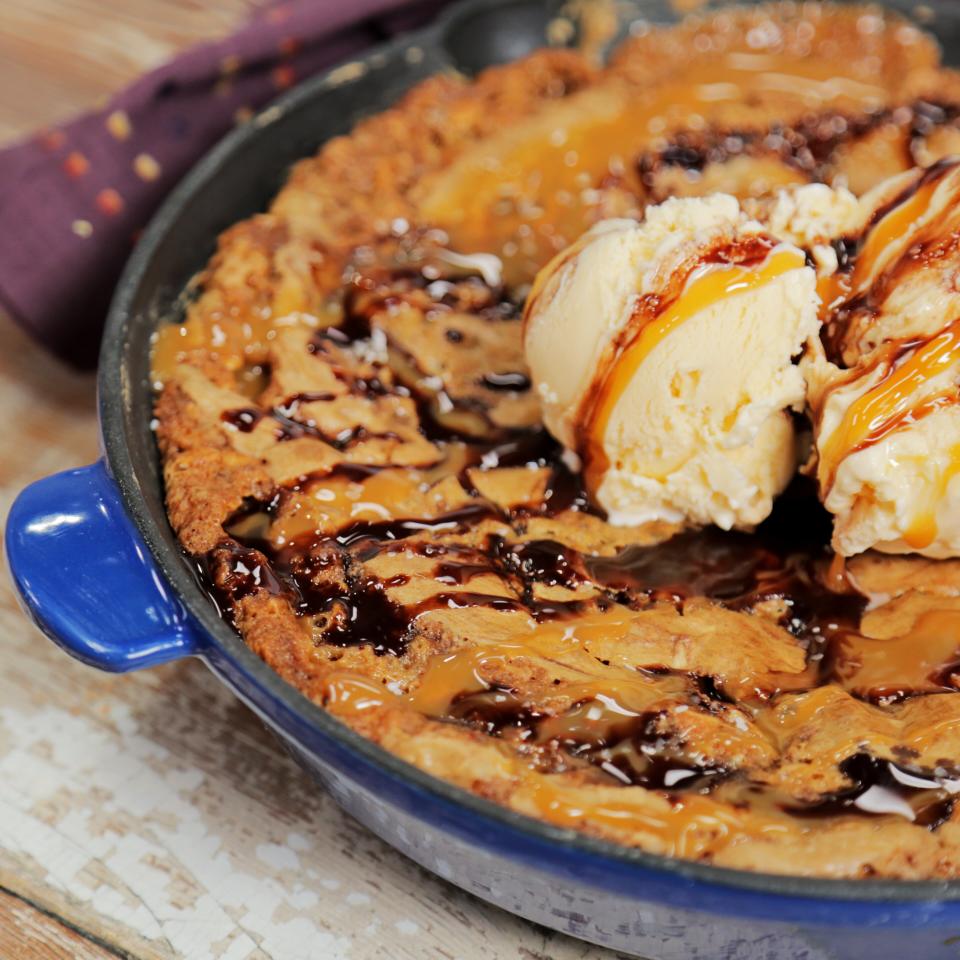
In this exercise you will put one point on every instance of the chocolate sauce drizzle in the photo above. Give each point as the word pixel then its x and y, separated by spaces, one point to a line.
pixel 326 578
pixel 783 560
pixel 809 146
pixel 848 249
pixel 288 427
pixel 881 786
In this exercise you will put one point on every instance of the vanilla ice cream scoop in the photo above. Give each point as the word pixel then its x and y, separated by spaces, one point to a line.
pixel 664 355
pixel 884 384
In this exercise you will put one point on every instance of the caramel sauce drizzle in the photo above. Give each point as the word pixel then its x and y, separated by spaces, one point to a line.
pixel 525 195
pixel 707 285
pixel 901 397
pixel 895 230
pixel 451 675
pixel 339 501
pixel 240 344
pixel 891 231
pixel 800 711
pixel 893 401
pixel 923 528
pixel 692 826
pixel 174 341
pixel 923 660
pixel 351 694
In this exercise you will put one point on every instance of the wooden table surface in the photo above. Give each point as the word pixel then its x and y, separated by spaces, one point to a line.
pixel 151 815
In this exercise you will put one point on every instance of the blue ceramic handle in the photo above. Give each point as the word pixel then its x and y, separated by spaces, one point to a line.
pixel 86 578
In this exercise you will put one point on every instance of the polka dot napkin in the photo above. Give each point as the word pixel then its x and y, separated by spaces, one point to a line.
pixel 73 199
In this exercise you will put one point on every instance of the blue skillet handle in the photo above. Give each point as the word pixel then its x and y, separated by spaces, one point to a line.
pixel 87 580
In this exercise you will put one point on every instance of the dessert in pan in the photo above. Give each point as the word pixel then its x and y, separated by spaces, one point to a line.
pixel 587 437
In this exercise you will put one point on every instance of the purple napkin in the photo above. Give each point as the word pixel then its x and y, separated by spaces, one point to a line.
pixel 73 199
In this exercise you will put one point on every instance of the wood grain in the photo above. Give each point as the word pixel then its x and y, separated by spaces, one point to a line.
pixel 153 812
pixel 28 934
pixel 58 57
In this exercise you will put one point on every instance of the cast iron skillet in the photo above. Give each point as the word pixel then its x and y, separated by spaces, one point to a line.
pixel 100 571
